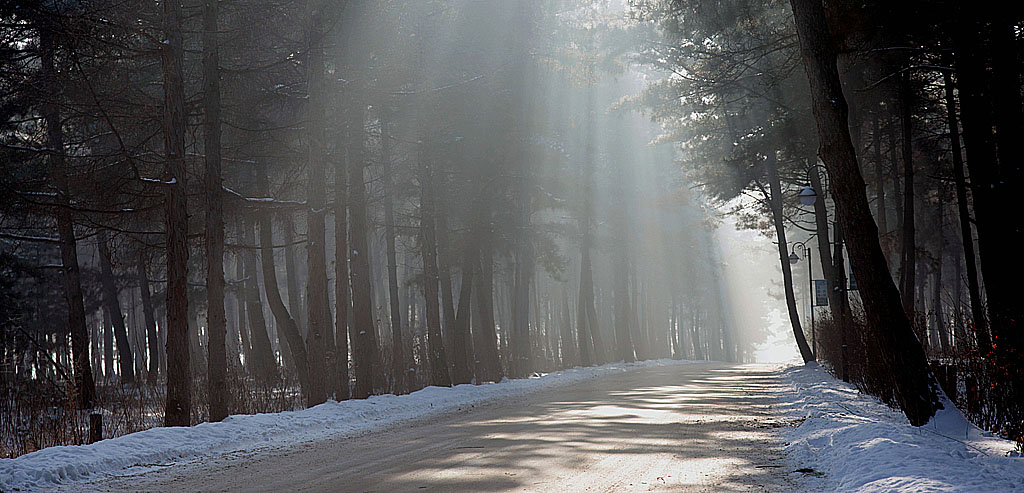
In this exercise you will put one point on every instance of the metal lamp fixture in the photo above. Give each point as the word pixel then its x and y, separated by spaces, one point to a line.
pixel 808 196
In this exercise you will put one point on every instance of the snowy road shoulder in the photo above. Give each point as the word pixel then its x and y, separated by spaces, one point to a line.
pixel 859 444
pixel 157 447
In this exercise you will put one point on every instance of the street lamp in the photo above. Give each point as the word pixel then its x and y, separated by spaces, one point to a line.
pixel 807 195
pixel 793 259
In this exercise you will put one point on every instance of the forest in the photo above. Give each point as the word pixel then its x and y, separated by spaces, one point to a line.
pixel 222 207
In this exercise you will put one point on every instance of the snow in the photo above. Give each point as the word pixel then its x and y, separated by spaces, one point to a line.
pixel 172 181
pixel 860 444
pixel 263 200
pixel 158 447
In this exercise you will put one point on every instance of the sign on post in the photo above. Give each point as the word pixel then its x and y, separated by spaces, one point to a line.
pixel 820 292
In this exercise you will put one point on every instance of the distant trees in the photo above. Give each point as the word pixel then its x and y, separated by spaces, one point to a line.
pixel 494 211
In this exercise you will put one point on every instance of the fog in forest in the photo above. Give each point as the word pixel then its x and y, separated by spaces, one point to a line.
pixel 211 208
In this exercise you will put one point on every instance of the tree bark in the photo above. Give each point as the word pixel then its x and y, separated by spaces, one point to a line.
pixel 292 273
pixel 1002 277
pixel 582 331
pixel 342 298
pixel 775 199
pixel 964 215
pixel 108 345
pixel 462 350
pixel 147 313
pixel 399 368
pixel 239 291
pixel 444 260
pixel 177 409
pixel 567 341
pixel 214 238
pixel 112 305
pixel 521 363
pixel 316 263
pixel 881 211
pixel 620 295
pixel 286 325
pixel 264 365
pixel 362 332
pixel 488 367
pixel 908 264
pixel 85 386
pixel 828 271
pixel 428 251
pixel 886 322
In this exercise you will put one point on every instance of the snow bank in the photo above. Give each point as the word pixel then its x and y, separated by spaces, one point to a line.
pixel 53 466
pixel 859 444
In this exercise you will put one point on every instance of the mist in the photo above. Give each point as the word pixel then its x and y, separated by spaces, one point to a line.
pixel 336 200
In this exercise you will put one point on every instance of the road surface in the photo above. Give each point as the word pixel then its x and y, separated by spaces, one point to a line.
pixel 697 427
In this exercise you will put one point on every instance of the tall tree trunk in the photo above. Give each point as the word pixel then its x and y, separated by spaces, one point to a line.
pixel 362 332
pixel 620 295
pixel 292 273
pixel 964 215
pixel 197 358
pixel 908 264
pixel 939 321
pixel 887 323
pixel 264 365
pixel 126 363
pixel 895 240
pixel 775 199
pixel 881 211
pixel 177 409
pixel 582 335
pixel 147 313
pixel 462 350
pixel 485 342
pixel 591 330
pixel 342 298
pixel 695 332
pixel 316 263
pixel 108 345
pixel 286 325
pixel 428 251
pixel 215 316
pixel 85 386
pixel 399 367
pixel 521 363
pixel 1006 312
pixel 567 342
pixel 590 308
pixel 444 260
pixel 828 271
pixel 239 292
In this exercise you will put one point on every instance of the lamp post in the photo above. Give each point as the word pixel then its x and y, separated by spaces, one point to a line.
pixel 808 196
pixel 793 259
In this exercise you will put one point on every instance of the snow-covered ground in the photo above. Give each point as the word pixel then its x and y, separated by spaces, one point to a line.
pixel 858 444
pixel 138 452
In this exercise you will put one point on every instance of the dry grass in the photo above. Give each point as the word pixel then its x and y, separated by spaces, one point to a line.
pixel 37 414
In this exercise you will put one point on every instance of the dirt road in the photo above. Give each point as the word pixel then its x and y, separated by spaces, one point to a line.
pixel 699 427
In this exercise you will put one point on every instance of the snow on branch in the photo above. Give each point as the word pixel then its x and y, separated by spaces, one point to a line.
pixel 263 201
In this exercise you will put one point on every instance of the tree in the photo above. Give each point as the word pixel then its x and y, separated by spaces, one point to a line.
pixel 85 387
pixel 216 321
pixel 886 322
pixel 178 408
